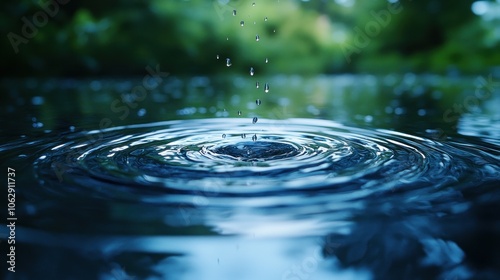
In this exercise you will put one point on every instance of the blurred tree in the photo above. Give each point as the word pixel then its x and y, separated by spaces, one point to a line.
pixel 121 37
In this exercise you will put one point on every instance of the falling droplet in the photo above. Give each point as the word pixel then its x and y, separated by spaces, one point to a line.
pixel 266 87
pixel 267 60
pixel 257 38
pixel 257 85
pixel 227 38
pixel 254 22
pixel 254 137
pixel 265 19
pixel 243 136
pixel 234 12
pixel 239 113
pixel 258 102
pixel 255 119
pixel 242 23
pixel 274 31
pixel 251 71
pixel 228 62
pixel 223 136
pixel 217 56
pixel 253 4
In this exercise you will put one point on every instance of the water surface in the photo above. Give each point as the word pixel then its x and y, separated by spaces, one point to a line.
pixel 351 177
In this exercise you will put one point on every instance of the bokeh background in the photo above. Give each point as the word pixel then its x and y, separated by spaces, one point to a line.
pixel 115 38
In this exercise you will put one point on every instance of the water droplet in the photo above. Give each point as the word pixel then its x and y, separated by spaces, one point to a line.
pixel 239 113
pixel 274 31
pixel 253 4
pixel 255 119
pixel 257 85
pixel 243 136
pixel 265 19
pixel 251 71
pixel 234 12
pixel 228 62
pixel 217 56
pixel 223 136
pixel 267 60
pixel 254 22
pixel 258 102
pixel 266 87
pixel 242 23
pixel 257 38
pixel 254 137
pixel 227 38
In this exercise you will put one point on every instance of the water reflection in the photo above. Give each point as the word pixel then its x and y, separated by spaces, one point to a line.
pixel 150 257
pixel 372 183
pixel 404 103
pixel 430 245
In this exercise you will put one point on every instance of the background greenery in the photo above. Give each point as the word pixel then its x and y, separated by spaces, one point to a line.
pixel 120 37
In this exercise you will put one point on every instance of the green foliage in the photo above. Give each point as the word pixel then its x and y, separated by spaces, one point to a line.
pixel 123 37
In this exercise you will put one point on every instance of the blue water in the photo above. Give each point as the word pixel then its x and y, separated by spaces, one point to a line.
pixel 331 192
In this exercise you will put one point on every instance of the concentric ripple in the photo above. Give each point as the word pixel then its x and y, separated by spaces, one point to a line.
pixel 174 161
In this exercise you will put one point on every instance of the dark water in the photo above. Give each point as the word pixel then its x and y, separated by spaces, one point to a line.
pixel 349 177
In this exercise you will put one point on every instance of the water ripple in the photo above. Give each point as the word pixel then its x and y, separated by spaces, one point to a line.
pixel 181 161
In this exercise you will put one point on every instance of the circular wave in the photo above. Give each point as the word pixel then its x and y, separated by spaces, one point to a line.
pixel 174 161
